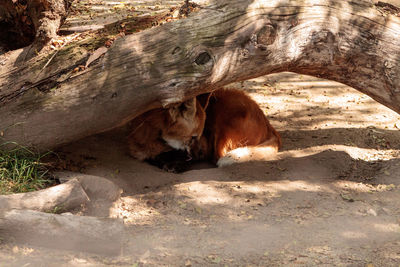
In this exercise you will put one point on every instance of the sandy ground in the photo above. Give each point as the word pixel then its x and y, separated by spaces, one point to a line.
pixel 332 199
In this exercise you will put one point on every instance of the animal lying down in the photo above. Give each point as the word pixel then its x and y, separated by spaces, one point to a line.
pixel 162 130
pixel 236 130
pixel 232 129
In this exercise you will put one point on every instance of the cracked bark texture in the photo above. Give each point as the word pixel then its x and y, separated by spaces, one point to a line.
pixel 35 21
pixel 354 42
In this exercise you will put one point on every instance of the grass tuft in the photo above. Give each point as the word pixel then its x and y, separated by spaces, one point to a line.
pixel 21 170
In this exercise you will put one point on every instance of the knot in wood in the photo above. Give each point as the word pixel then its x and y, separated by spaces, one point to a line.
pixel 267 35
pixel 203 58
pixel 323 37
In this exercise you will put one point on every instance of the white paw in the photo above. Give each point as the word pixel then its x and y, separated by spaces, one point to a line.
pixel 237 155
pixel 225 161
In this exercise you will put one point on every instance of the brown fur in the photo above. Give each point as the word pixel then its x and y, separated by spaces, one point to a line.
pixel 234 121
pixel 151 131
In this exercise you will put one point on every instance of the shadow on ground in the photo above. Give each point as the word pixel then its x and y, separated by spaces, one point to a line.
pixel 332 198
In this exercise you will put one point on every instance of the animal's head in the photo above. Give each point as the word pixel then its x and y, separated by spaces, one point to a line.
pixel 186 123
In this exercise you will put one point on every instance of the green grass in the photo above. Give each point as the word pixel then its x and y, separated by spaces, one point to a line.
pixel 21 170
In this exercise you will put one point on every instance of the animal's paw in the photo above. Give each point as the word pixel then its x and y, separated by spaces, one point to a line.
pixel 175 161
pixel 225 161
pixel 234 156
pixel 175 167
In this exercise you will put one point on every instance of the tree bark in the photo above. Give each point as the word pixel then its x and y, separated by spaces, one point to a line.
pixel 44 103
pixel 24 22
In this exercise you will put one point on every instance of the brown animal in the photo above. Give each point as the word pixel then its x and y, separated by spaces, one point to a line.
pixel 162 130
pixel 235 130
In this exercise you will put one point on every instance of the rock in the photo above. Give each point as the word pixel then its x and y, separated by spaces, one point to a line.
pixel 63 197
pixel 95 186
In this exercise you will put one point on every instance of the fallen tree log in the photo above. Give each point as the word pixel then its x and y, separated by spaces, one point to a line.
pixel 44 102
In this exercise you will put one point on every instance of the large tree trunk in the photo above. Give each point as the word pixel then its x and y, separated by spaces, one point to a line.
pixel 45 103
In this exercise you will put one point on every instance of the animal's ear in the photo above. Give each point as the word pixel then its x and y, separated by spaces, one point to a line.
pixel 204 99
pixel 188 108
pixel 174 112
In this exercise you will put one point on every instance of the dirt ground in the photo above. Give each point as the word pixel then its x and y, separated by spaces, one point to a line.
pixel 332 198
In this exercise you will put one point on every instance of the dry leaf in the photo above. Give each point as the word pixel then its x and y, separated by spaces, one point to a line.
pixel 108 43
pixel 96 54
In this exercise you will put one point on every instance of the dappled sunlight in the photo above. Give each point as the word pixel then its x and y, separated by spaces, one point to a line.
pixel 291 186
pixel 218 192
pixel 205 193
pixel 368 155
pixel 353 235
pixel 391 25
pixel 133 210
pixel 371 228
pixel 222 68
pixel 364 187
pixel 293 101
pixel 329 197
pixel 94 13
pixel 210 192
pixel 387 228
pixel 207 198
pixel 357 153
pixel 354 186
